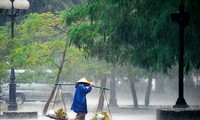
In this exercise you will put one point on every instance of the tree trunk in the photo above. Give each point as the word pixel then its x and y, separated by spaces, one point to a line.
pixel 56 82
pixel 147 96
pixel 159 84
pixel 101 97
pixel 113 100
pixel 134 95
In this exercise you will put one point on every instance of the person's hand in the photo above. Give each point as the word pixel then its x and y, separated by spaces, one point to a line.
pixel 91 84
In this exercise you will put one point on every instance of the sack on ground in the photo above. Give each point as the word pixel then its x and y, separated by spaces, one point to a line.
pixel 58 114
pixel 51 113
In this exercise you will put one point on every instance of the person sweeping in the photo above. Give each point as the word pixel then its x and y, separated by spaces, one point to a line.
pixel 79 104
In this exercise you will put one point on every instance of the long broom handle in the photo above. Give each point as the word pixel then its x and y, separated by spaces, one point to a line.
pixel 75 84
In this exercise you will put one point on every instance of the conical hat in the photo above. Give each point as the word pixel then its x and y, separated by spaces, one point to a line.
pixel 83 80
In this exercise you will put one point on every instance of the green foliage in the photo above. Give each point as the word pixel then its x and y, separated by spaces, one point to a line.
pixel 134 32
pixel 139 32
pixel 78 66
pixel 81 34
pixel 3 72
pixel 37 34
pixel 74 14
pixel 38 45
pixel 36 42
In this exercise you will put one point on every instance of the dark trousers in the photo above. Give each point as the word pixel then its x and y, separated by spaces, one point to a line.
pixel 80 116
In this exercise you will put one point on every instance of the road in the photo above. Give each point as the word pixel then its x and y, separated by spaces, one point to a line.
pixel 117 113
pixel 124 109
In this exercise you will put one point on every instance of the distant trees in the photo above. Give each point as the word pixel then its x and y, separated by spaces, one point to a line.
pixel 137 32
pixel 40 40
pixel 123 32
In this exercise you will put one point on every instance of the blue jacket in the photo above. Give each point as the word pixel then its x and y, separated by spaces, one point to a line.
pixel 79 102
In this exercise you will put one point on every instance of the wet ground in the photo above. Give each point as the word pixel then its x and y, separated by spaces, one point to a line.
pixel 116 113
pixel 124 110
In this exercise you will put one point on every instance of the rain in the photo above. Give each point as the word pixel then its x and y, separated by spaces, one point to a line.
pixel 139 60
pixel 123 108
